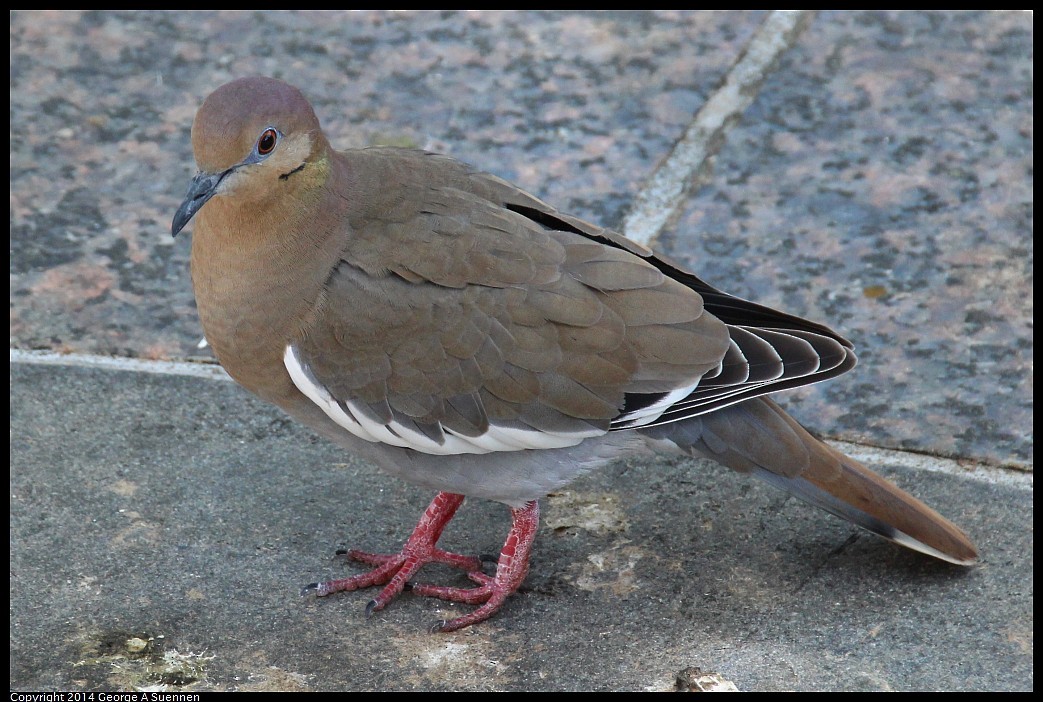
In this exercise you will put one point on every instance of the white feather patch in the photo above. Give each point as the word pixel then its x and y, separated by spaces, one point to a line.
pixel 349 416
pixel 652 412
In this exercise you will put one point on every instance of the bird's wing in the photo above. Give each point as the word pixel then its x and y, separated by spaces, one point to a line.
pixel 769 350
pixel 469 316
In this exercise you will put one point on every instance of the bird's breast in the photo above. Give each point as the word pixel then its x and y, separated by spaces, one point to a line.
pixel 255 291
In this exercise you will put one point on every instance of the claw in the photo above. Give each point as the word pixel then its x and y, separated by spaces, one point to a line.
pixel 320 589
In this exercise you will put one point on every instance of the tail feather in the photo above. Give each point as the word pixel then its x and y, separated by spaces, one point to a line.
pixel 758 437
pixel 891 513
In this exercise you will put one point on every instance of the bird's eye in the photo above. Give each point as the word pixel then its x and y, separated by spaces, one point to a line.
pixel 266 144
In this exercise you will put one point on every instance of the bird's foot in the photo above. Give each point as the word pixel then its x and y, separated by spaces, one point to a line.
pixel 492 591
pixel 395 570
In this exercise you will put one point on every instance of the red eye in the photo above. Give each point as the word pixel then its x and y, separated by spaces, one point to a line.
pixel 266 143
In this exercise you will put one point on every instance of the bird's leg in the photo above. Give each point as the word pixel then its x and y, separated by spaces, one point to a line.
pixel 396 569
pixel 492 591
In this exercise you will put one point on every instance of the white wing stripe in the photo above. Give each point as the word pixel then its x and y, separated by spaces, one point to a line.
pixel 352 417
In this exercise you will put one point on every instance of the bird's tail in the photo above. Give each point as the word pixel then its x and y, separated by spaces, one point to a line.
pixel 758 437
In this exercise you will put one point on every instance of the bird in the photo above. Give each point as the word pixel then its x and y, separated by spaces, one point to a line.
pixel 467 337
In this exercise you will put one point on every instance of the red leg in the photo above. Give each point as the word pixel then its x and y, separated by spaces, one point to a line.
pixel 511 570
pixel 396 569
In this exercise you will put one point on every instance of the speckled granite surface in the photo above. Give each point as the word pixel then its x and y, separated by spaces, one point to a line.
pixel 881 182
pixel 102 104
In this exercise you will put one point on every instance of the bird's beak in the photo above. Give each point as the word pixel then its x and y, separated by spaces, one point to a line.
pixel 202 188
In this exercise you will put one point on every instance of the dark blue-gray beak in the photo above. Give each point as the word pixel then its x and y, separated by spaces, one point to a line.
pixel 201 189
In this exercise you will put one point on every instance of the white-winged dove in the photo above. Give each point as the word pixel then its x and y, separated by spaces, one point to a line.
pixel 465 336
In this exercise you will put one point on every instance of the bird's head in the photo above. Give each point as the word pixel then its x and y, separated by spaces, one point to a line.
pixel 252 136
